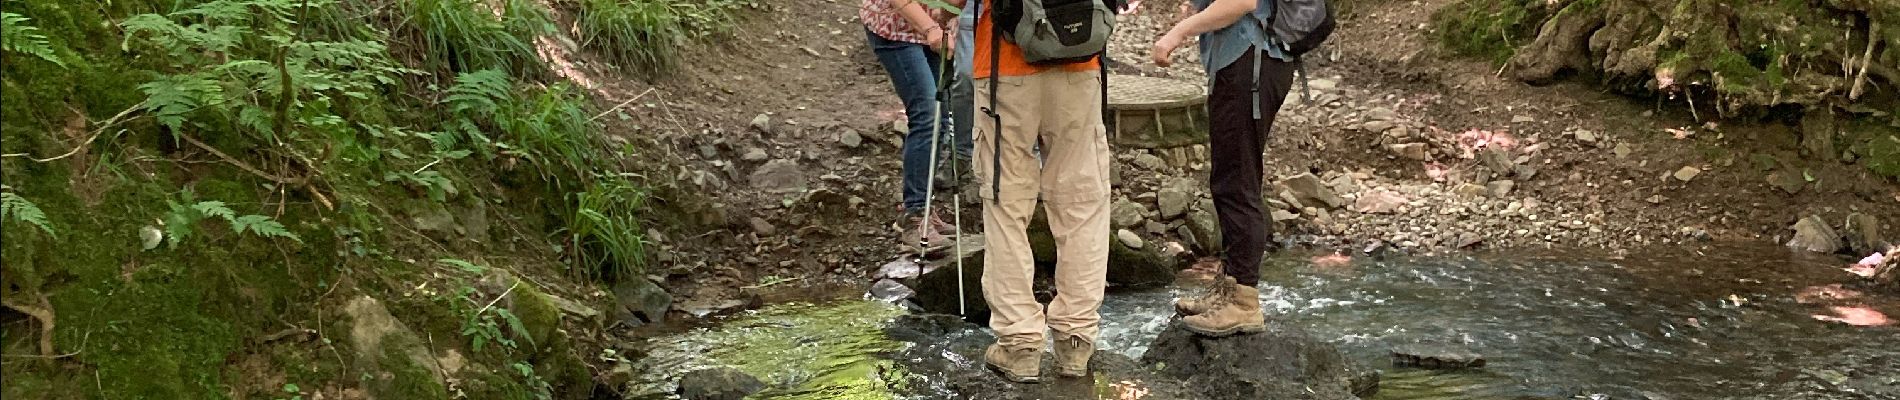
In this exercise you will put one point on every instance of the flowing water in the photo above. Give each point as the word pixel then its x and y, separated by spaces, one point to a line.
pixel 1727 323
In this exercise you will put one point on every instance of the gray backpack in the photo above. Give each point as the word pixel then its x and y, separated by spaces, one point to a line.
pixel 1056 31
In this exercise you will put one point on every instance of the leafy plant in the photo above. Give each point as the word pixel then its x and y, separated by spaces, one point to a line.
pixel 484 326
pixel 646 35
pixel 604 230
pixel 542 391
pixel 465 266
pixel 548 127
pixel 183 217
pixel 17 36
pixel 22 210
pixel 474 35
pixel 296 393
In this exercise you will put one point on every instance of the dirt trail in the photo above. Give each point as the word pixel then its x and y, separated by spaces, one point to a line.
pixel 804 198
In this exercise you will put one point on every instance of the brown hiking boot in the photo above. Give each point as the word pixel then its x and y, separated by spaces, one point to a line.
pixel 1019 365
pixel 1240 314
pixel 1215 295
pixel 1072 355
pixel 914 231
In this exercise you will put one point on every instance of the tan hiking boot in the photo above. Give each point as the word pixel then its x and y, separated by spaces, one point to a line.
pixel 1072 355
pixel 1018 365
pixel 1215 296
pixel 1240 314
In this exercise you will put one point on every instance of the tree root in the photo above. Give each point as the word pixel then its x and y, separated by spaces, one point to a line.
pixel 42 312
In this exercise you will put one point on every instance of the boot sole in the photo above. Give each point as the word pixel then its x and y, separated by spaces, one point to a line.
pixel 1011 376
pixel 1072 374
pixel 1227 332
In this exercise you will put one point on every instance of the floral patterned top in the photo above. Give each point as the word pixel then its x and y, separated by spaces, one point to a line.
pixel 881 18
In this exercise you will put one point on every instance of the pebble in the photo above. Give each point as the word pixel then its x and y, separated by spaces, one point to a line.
pixel 1129 238
pixel 1687 173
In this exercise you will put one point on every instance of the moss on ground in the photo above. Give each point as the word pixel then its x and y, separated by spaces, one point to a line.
pixel 1488 29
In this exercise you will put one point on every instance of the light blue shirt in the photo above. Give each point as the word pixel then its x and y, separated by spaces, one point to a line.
pixel 1222 47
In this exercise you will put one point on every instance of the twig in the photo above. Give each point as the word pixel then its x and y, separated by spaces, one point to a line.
pixel 426 166
pixel 239 163
pixel 504 294
pixel 622 104
pixel 771 284
pixel 1689 93
pixel 1866 60
pixel 108 123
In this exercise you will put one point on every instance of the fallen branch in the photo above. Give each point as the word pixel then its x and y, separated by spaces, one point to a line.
pixel 109 122
pixel 240 163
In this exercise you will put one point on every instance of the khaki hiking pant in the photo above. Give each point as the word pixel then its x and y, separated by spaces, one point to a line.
pixel 1063 110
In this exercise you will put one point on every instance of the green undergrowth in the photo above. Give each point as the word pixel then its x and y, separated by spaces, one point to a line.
pixel 647 34
pixel 1488 29
pixel 185 178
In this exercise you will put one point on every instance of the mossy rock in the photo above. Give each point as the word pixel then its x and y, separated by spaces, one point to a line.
pixel 394 361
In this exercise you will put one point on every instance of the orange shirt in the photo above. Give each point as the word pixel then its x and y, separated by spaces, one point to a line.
pixel 1011 62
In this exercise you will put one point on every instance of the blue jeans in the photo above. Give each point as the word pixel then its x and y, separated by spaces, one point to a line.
pixel 962 95
pixel 913 70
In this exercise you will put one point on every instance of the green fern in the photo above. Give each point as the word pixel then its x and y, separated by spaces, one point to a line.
pixel 179 223
pixel 22 210
pixel 17 36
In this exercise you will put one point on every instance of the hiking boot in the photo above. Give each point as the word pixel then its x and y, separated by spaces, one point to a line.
pixel 1239 314
pixel 1072 355
pixel 1215 296
pixel 1019 365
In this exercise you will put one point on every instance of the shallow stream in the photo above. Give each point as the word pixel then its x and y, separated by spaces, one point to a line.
pixel 1724 323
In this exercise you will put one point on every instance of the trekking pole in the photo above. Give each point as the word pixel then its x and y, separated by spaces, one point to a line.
pixel 936 134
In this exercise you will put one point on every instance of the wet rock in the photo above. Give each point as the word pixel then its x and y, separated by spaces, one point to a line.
pixel 1310 191
pixel 1128 238
pixel 1410 151
pixel 1282 363
pixel 1380 201
pixel 779 176
pixel 1789 182
pixel 1813 234
pixel 1687 173
pixel 1864 235
pixel 723 383
pixel 1435 357
pixel 1468 240
pixel 762 123
pixel 890 291
pixel 1125 213
pixel 702 308
pixel 1499 189
pixel 901 268
pixel 640 302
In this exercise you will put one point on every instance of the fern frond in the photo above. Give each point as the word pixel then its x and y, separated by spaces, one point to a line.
pixel 22 210
pixel 171 98
pixel 17 36
pixel 215 209
pixel 262 226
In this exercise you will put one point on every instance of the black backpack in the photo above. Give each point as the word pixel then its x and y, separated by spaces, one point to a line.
pixel 1056 31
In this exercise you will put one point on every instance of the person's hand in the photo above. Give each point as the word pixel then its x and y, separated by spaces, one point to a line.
pixel 935 39
pixel 1164 49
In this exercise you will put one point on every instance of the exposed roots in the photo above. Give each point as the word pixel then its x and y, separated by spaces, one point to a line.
pixel 43 311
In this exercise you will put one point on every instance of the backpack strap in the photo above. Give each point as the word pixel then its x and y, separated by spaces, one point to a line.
pixel 996 119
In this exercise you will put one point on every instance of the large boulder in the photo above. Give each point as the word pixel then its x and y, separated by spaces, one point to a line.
pixel 1813 234
pixel 1282 363
pixel 394 362
pixel 640 302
